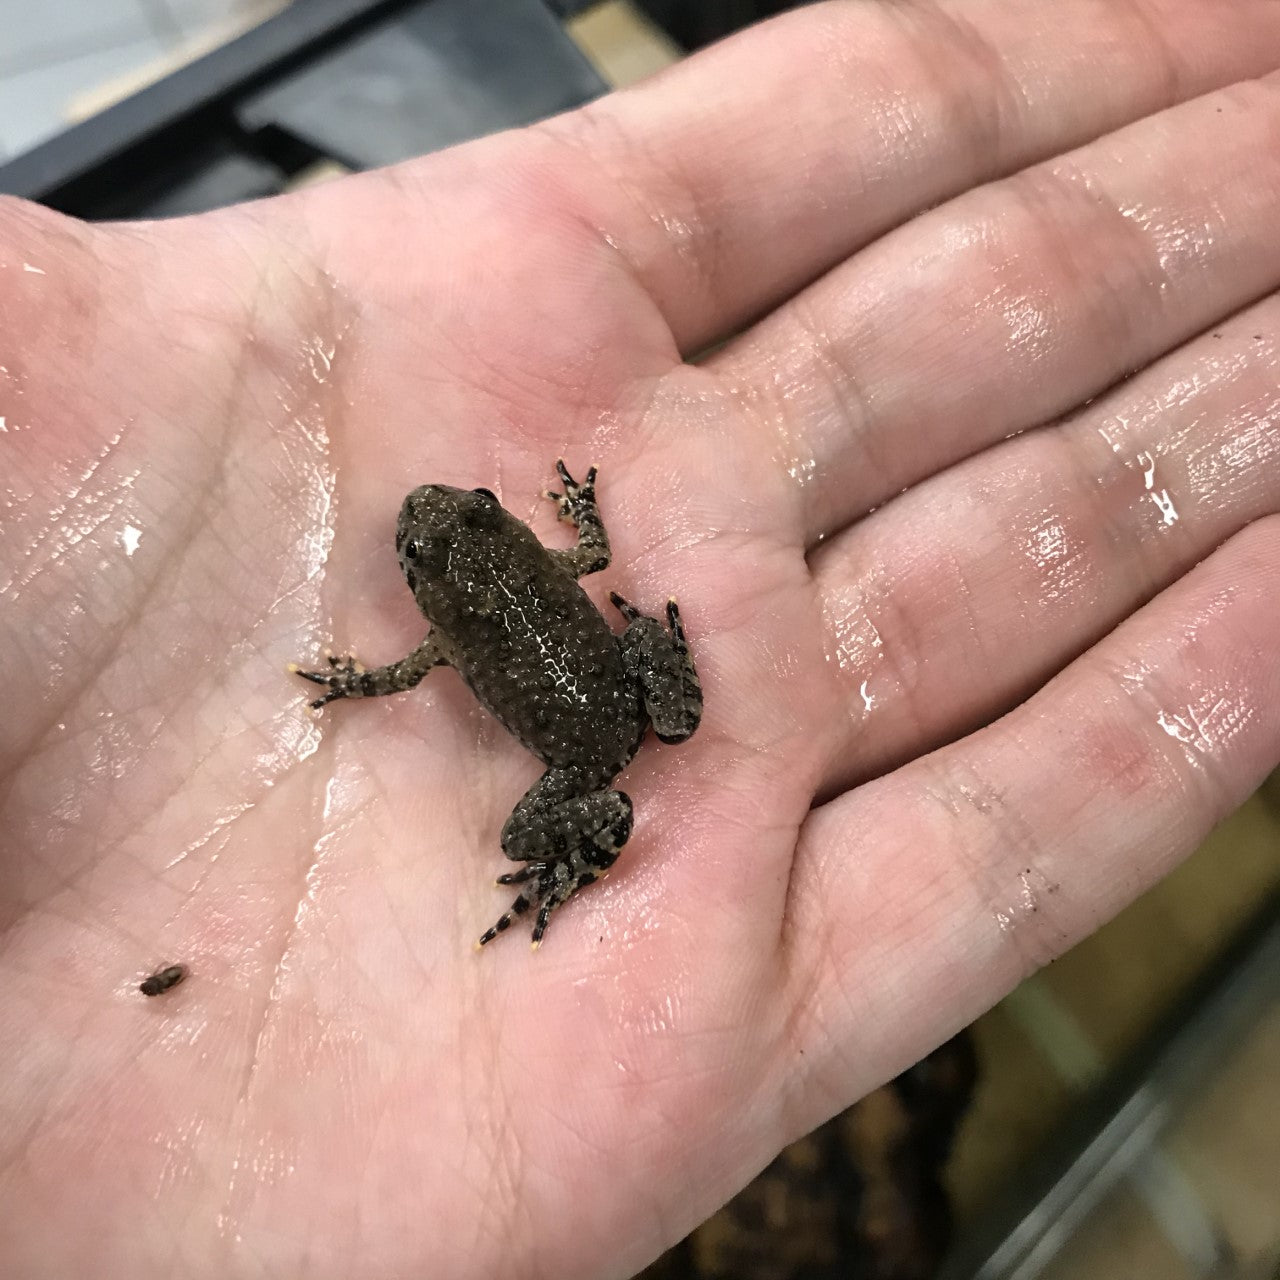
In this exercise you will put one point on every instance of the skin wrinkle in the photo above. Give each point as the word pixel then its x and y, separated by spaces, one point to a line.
pixel 168 571
pixel 74 885
pixel 1172 763
pixel 1127 526
pixel 784 941
pixel 992 74
pixel 577 206
pixel 1129 690
pixel 1063 577
pixel 900 653
pixel 1245 456
pixel 502 1192
pixel 902 642
pixel 196 518
pixel 823 971
pixel 1061 198
pixel 59 913
pixel 1089 460
pixel 503 1208
pixel 511 383
pixel 642 436
pixel 268 1012
pixel 966 597
pixel 1155 38
pixel 230 1212
pixel 587 410
pixel 73 881
pixel 677 212
pixel 895 657
pixel 840 641
pixel 645 1189
pixel 851 404
pixel 970 799
pixel 1206 779
pixel 802 1022
pixel 766 547
pixel 44 740
pixel 21 1143
pixel 254 810
pixel 815 967
pixel 46 535
pixel 993 96
pixel 769 416
pixel 687 225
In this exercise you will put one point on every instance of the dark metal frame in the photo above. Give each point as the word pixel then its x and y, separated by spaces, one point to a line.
pixel 360 82
pixel 83 169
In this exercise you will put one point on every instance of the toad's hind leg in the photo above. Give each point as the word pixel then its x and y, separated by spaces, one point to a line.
pixel 568 834
pixel 661 665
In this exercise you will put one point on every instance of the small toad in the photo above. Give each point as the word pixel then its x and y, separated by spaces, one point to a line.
pixel 509 615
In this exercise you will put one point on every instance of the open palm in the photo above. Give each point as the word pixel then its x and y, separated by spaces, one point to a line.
pixel 896 507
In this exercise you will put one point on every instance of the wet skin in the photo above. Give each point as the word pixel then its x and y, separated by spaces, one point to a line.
pixel 509 615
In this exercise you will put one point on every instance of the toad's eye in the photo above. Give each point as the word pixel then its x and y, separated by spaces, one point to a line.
pixel 412 549
pixel 484 493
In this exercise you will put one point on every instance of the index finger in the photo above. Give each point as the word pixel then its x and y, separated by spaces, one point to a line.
pixel 730 181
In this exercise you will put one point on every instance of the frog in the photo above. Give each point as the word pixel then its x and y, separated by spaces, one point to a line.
pixel 511 617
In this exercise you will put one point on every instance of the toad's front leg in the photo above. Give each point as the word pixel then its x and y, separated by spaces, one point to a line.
pixel 568 834
pixel 346 678
pixel 577 505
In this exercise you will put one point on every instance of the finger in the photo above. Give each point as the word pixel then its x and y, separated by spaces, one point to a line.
pixel 1018 301
pixel 954 602
pixel 735 178
pixel 921 898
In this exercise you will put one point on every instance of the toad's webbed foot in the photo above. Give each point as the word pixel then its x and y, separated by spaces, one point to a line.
pixel 554 883
pixel 343 678
pixel 577 504
pixel 347 677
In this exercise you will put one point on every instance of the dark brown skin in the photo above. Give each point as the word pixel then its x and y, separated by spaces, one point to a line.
pixel 509 614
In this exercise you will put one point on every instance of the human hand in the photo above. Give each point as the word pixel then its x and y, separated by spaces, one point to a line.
pixel 210 424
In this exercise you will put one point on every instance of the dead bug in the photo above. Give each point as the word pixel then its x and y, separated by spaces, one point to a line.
pixel 160 981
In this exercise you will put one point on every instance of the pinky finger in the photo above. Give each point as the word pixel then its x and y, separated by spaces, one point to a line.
pixel 918 900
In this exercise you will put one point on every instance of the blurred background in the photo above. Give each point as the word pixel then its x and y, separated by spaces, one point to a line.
pixel 1116 1116
pixel 60 61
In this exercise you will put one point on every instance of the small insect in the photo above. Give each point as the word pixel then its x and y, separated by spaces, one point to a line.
pixel 160 981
